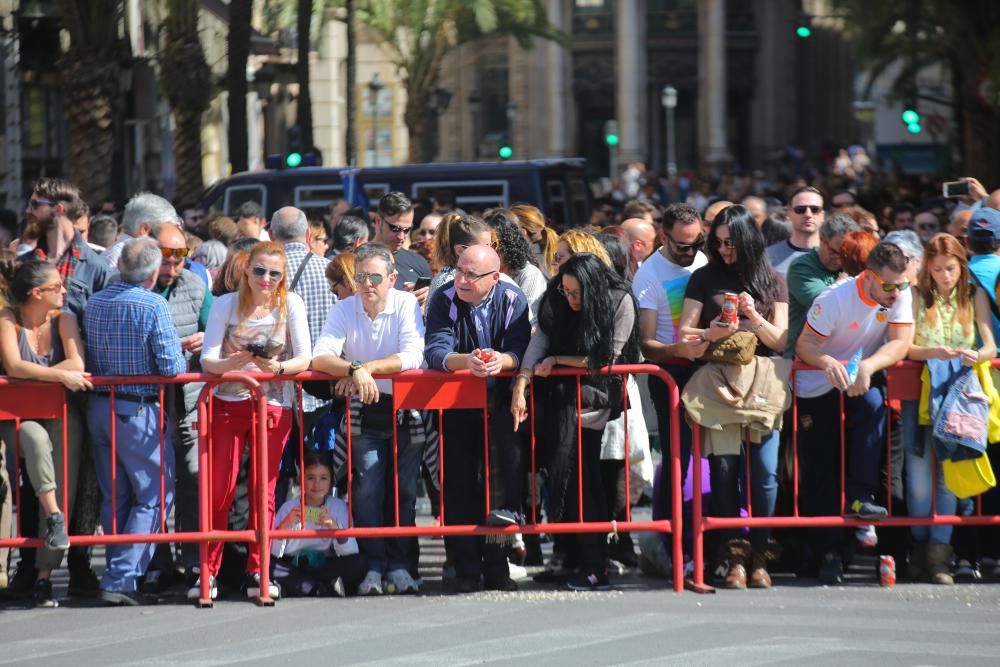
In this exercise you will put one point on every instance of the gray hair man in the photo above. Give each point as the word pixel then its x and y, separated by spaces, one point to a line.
pixel 908 241
pixel 813 272
pixel 141 212
pixel 307 278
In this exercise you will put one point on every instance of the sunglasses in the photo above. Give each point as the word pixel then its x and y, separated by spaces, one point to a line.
pixel 38 203
pixel 396 229
pixel 375 278
pixel 801 210
pixel 51 288
pixel 260 272
pixel 890 287
pixel 574 293
pixel 688 247
pixel 333 285
pixel 471 277
pixel 174 252
pixel 559 259
pixel 725 243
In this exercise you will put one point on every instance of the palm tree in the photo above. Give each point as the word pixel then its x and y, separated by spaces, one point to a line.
pixel 236 82
pixel 303 110
pixel 186 79
pixel 91 91
pixel 419 33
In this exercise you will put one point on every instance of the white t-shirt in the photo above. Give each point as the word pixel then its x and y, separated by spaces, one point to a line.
pixel 659 285
pixel 846 320
pixel 337 509
pixel 781 255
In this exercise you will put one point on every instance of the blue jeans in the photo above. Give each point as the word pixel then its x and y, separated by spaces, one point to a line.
pixel 373 498
pixel 137 509
pixel 921 467
pixel 728 478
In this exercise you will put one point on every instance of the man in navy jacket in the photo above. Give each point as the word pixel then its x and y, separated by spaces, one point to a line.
pixel 479 323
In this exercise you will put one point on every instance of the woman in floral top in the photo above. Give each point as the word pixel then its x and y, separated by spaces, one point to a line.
pixel 947 315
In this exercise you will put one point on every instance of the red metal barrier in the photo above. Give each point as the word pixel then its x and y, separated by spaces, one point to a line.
pixel 903 383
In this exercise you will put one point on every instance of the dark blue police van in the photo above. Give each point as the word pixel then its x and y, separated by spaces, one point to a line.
pixel 557 187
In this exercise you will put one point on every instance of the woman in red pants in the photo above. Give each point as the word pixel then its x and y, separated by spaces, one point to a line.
pixel 259 328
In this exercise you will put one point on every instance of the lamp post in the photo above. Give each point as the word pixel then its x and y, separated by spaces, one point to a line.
pixel 375 87
pixel 668 98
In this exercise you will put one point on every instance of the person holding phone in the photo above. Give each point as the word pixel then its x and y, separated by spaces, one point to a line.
pixel 262 327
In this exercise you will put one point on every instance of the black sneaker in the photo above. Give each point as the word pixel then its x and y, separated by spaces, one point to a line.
pixel 83 583
pixel 866 510
pixel 504 584
pixel 831 570
pixel 43 595
pixel 589 582
pixel 503 518
pixel 158 581
pixel 55 532
pixel 22 585
pixel 128 598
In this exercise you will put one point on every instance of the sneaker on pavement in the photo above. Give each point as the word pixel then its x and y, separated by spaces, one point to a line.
pixel 157 581
pixel 589 582
pixel 869 511
pixel 55 532
pixel 43 595
pixel 253 587
pixel 516 571
pixel 831 570
pixel 83 583
pixel 967 572
pixel 866 536
pixel 127 598
pixel 194 592
pixel 399 582
pixel 371 584
pixel 338 588
pixel 22 585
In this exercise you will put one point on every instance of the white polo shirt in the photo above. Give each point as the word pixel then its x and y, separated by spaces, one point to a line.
pixel 659 285
pixel 846 319
pixel 398 329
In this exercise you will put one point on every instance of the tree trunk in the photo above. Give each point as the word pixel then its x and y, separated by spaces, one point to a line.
pixel 303 113
pixel 416 117
pixel 236 82
pixel 350 138
pixel 91 107
pixel 187 156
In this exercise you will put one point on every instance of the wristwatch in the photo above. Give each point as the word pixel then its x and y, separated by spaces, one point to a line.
pixel 281 369
pixel 355 365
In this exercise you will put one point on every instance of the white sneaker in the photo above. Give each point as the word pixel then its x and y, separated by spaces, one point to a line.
pixel 371 584
pixel 399 582
pixel 253 587
pixel 516 571
pixel 194 592
pixel 866 536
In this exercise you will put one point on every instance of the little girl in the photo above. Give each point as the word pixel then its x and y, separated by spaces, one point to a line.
pixel 316 566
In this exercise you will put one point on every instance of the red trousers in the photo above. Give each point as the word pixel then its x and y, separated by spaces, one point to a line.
pixel 232 429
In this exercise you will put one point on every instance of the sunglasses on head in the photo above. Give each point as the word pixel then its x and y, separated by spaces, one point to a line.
pixel 725 243
pixel 260 272
pixel 38 203
pixel 801 210
pixel 174 252
pixel 375 278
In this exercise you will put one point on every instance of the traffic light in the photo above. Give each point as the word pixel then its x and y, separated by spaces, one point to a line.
pixel 611 133
pixel 505 152
pixel 911 119
pixel 803 28
pixel 293 160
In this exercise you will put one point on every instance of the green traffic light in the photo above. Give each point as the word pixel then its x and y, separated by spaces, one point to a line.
pixel 293 159
pixel 914 128
pixel 910 116
pixel 611 139
pixel 803 31
pixel 505 152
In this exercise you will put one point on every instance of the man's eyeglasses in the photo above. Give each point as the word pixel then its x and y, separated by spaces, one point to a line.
pixel 688 247
pixel 38 203
pixel 570 293
pixel 396 229
pixel 260 272
pixel 801 210
pixel 471 277
pixel 179 253
pixel 890 287
pixel 375 278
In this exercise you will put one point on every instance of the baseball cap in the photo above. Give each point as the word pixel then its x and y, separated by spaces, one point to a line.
pixel 985 225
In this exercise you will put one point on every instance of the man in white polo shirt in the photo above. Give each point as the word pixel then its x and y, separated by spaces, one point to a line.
pixel 871 314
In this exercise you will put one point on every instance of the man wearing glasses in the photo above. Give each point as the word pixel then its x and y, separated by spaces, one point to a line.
pixel 393 224
pixel 805 212
pixel 813 272
pixel 659 287
pixel 378 330
pixel 867 321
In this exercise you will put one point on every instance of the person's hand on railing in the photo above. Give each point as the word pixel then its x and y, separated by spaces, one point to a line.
pixel 862 383
pixel 485 362
pixel 361 383
pixel 76 380
pixel 545 366
pixel 267 365
pixel 237 360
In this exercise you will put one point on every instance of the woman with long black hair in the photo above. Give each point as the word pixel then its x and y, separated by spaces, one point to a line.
pixel 588 318
pixel 738 265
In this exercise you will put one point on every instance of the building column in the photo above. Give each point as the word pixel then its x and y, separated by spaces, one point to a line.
pixel 630 70
pixel 712 143
pixel 557 79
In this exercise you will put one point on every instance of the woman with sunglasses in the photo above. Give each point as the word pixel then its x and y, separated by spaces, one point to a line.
pixel 588 318
pixel 948 314
pixel 454 234
pixel 340 275
pixel 39 341
pixel 737 264
pixel 259 328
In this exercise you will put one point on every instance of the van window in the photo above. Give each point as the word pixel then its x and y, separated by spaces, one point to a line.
pixel 313 197
pixel 578 199
pixel 469 195
pixel 555 204
pixel 236 195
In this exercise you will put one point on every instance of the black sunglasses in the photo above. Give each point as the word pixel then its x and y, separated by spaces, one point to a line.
pixel 802 209
pixel 688 247
pixel 396 228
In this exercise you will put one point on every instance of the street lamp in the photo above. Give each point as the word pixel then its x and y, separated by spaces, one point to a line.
pixel 375 87
pixel 668 98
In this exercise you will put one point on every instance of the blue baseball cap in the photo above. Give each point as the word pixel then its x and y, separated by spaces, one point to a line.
pixel 985 225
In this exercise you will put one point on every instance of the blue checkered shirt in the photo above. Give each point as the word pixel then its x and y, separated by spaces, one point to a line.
pixel 316 294
pixel 130 332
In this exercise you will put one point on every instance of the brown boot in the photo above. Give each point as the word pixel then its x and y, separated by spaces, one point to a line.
pixel 738 554
pixel 938 564
pixel 759 578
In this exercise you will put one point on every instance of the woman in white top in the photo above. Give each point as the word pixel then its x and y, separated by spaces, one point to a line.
pixel 259 328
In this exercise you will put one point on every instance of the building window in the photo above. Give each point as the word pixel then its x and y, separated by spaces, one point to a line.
pixel 591 6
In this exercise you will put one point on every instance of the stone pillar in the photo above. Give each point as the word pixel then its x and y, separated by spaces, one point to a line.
pixel 557 75
pixel 712 143
pixel 630 70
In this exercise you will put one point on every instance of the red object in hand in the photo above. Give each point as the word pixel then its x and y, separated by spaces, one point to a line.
pixel 730 309
pixel 486 354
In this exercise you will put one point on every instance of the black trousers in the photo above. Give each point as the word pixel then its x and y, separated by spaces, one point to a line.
pixel 300 579
pixel 588 551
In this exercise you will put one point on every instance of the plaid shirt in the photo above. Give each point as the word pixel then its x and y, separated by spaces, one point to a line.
pixel 130 332
pixel 316 294
pixel 66 264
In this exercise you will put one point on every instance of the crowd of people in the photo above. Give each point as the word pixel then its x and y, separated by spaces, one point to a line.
pixel 723 297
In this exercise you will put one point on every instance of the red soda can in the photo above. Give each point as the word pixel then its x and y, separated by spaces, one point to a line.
pixel 887 571
pixel 730 308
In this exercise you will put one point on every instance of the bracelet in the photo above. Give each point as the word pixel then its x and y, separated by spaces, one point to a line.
pixel 526 374
pixel 759 325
